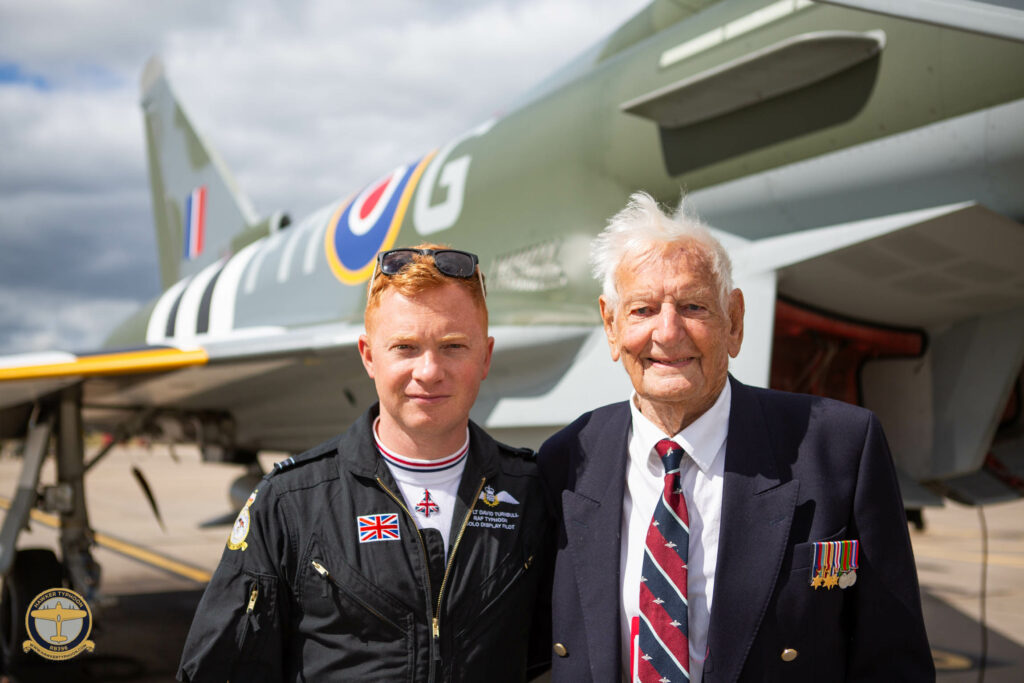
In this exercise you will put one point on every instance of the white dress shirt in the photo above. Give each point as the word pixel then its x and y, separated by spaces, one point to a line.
pixel 701 478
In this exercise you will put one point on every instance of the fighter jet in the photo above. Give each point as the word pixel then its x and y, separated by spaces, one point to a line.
pixel 861 160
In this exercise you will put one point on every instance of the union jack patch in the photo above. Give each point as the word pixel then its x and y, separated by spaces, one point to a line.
pixel 378 528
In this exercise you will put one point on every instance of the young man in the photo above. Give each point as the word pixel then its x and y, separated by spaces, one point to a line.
pixel 411 546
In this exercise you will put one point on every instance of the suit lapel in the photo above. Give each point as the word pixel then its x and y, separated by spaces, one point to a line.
pixel 592 512
pixel 757 511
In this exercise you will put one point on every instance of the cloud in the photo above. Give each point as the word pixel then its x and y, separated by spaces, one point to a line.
pixel 59 321
pixel 305 101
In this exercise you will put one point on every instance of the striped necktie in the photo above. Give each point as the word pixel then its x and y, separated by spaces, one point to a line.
pixel 664 644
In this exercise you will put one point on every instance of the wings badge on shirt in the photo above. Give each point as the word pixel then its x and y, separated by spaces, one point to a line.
pixel 492 499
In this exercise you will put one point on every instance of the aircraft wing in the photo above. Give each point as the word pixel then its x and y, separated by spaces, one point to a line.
pixel 64 614
pixel 26 377
pixel 288 388
pixel 117 385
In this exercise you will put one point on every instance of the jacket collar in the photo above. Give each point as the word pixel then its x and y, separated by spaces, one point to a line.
pixel 592 512
pixel 604 448
pixel 357 450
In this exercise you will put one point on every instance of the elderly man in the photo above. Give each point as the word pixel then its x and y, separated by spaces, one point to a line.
pixel 710 530
pixel 409 548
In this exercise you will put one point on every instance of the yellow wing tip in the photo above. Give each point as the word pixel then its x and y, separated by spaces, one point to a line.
pixel 114 363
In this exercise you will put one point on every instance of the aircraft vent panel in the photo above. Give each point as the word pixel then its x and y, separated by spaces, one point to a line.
pixel 799 85
pixel 792 64
pixel 938 272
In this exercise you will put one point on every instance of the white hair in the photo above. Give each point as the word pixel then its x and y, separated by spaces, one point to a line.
pixel 642 227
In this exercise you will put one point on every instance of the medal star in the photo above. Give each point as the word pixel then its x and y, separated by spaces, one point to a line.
pixel 830 581
pixel 817 581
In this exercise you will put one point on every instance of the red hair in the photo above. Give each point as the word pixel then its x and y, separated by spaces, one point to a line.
pixel 420 276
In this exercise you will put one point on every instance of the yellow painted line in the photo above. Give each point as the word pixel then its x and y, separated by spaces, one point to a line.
pixel 123 547
pixel 950 661
pixel 1016 561
pixel 153 559
pixel 151 360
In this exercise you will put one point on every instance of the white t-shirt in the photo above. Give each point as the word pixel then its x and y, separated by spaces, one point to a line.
pixel 429 487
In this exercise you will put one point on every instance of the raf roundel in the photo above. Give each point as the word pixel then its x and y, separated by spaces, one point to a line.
pixel 370 222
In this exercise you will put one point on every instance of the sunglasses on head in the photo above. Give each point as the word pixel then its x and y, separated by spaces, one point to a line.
pixel 450 262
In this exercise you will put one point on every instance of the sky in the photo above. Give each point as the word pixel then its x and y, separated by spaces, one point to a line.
pixel 306 101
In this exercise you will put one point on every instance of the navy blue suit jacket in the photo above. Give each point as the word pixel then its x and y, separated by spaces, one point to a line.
pixel 798 469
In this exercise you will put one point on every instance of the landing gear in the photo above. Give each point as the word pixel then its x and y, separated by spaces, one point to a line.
pixel 67 498
pixel 29 572
pixel 34 571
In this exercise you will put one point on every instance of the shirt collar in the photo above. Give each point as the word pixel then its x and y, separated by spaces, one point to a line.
pixel 702 439
pixel 408 464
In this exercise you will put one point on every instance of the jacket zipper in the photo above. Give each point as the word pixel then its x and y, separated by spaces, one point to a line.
pixel 435 654
pixel 322 570
pixel 252 598
pixel 451 558
pixel 435 618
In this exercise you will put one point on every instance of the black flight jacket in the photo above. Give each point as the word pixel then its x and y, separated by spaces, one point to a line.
pixel 298 596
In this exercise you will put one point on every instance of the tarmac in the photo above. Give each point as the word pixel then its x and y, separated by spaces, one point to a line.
pixel 154 574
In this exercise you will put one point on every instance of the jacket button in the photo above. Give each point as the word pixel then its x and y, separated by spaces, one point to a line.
pixel 560 650
pixel 789 654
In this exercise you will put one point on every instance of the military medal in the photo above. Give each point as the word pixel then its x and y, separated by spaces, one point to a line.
pixel 849 554
pixel 835 563
pixel 831 566
pixel 818 571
